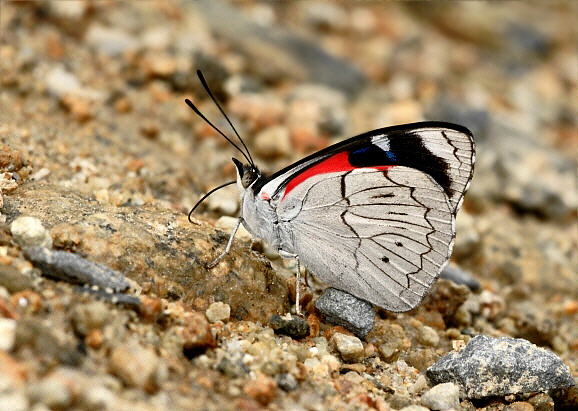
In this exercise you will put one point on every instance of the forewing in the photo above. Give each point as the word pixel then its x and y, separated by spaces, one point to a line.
pixel 383 236
pixel 443 151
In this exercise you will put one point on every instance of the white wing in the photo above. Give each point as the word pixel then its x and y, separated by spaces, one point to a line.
pixel 383 236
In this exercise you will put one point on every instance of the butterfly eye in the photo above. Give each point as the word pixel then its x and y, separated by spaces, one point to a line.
pixel 249 177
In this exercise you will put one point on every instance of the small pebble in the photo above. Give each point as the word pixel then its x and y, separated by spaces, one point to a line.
pixel 352 313
pixel 87 317
pixel 349 346
pixel 7 334
pixel 218 311
pixel 286 382
pixel 60 82
pixel 442 397
pixel 263 389
pixel 134 364
pixel 111 41
pixel 13 401
pixel 428 336
pixel 52 391
pixel 29 232
pixel 295 327
pixel 542 402
pixel 519 406
pixel 414 407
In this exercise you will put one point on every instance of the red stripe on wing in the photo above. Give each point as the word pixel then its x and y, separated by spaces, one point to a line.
pixel 336 163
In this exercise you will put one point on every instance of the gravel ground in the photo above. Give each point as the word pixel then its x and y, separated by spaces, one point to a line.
pixel 101 158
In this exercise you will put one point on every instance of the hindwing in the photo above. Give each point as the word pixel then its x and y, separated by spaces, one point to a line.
pixel 382 236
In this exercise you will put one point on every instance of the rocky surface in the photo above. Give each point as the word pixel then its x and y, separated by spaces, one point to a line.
pixel 489 367
pixel 102 158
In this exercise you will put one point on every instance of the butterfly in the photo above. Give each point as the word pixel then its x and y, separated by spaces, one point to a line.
pixel 373 215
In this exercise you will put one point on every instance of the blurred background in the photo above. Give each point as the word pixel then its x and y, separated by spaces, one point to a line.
pixel 92 103
pixel 93 94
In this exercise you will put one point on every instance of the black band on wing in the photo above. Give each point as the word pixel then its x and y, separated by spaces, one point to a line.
pixel 410 151
pixel 405 149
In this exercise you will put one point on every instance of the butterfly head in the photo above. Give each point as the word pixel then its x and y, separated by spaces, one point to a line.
pixel 246 174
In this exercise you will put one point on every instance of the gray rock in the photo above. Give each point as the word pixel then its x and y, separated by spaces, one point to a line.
pixel 295 327
pixel 442 397
pixel 459 276
pixel 72 268
pixel 341 308
pixel 286 382
pixel 501 366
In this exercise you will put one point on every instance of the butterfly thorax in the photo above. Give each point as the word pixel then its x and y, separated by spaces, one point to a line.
pixel 259 217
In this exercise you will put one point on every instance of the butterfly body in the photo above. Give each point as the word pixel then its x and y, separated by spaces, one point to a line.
pixel 373 215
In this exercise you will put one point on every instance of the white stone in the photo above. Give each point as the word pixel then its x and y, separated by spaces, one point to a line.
pixel 113 42
pixel 349 346
pixel 428 336
pixel 29 232
pixel 13 401
pixel 442 397
pixel 7 334
pixel 218 311
pixel 60 82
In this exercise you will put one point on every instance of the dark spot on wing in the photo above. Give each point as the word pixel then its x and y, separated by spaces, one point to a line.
pixel 385 260
pixel 371 155
pixel 397 243
pixel 388 195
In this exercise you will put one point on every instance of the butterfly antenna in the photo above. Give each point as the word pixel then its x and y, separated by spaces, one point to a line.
pixel 204 83
pixel 196 110
pixel 208 194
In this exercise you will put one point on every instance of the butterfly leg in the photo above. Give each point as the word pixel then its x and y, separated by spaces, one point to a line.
pixel 224 253
pixel 297 287
pixel 286 255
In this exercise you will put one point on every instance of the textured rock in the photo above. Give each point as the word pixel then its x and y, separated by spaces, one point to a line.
pixel 501 366
pixel 170 254
pixel 72 268
pixel 341 308
pixel 294 327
